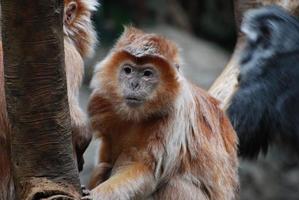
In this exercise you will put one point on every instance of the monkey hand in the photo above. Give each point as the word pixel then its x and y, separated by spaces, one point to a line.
pixel 132 181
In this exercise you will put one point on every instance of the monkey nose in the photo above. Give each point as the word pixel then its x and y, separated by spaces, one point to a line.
pixel 134 85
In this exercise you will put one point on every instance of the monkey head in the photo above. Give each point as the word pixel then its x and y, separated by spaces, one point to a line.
pixel 140 76
pixel 269 32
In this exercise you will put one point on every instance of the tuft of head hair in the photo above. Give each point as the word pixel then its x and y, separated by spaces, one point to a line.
pixel 139 44
pixel 80 29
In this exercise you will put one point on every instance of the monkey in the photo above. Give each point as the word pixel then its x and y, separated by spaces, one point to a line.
pixel 161 136
pixel 79 43
pixel 265 107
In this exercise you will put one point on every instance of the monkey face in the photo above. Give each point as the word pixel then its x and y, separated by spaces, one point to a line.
pixel 137 83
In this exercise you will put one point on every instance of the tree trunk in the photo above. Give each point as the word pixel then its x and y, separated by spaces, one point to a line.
pixel 226 84
pixel 37 104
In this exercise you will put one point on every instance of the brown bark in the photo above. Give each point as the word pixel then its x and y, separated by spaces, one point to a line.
pixel 225 85
pixel 37 104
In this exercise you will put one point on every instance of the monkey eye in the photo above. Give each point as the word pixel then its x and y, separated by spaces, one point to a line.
pixel 148 73
pixel 127 69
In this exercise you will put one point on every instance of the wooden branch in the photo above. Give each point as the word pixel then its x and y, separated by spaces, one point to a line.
pixel 226 84
pixel 37 103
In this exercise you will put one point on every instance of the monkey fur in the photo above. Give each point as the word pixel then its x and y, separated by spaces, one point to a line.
pixel 161 136
pixel 265 107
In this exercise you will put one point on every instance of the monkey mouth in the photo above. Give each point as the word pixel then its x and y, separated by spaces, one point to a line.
pixel 133 101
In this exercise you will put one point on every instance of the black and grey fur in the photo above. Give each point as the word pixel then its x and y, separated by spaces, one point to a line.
pixel 266 105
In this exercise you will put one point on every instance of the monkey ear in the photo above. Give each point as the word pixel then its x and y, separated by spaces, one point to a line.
pixel 70 12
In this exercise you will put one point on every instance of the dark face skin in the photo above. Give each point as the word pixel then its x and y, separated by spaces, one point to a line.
pixel 137 83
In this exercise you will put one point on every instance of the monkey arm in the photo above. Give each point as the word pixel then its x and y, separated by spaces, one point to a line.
pixel 100 173
pixel 81 132
pixel 133 181
pixel 102 170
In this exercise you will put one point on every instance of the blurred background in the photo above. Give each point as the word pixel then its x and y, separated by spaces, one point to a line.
pixel 205 32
